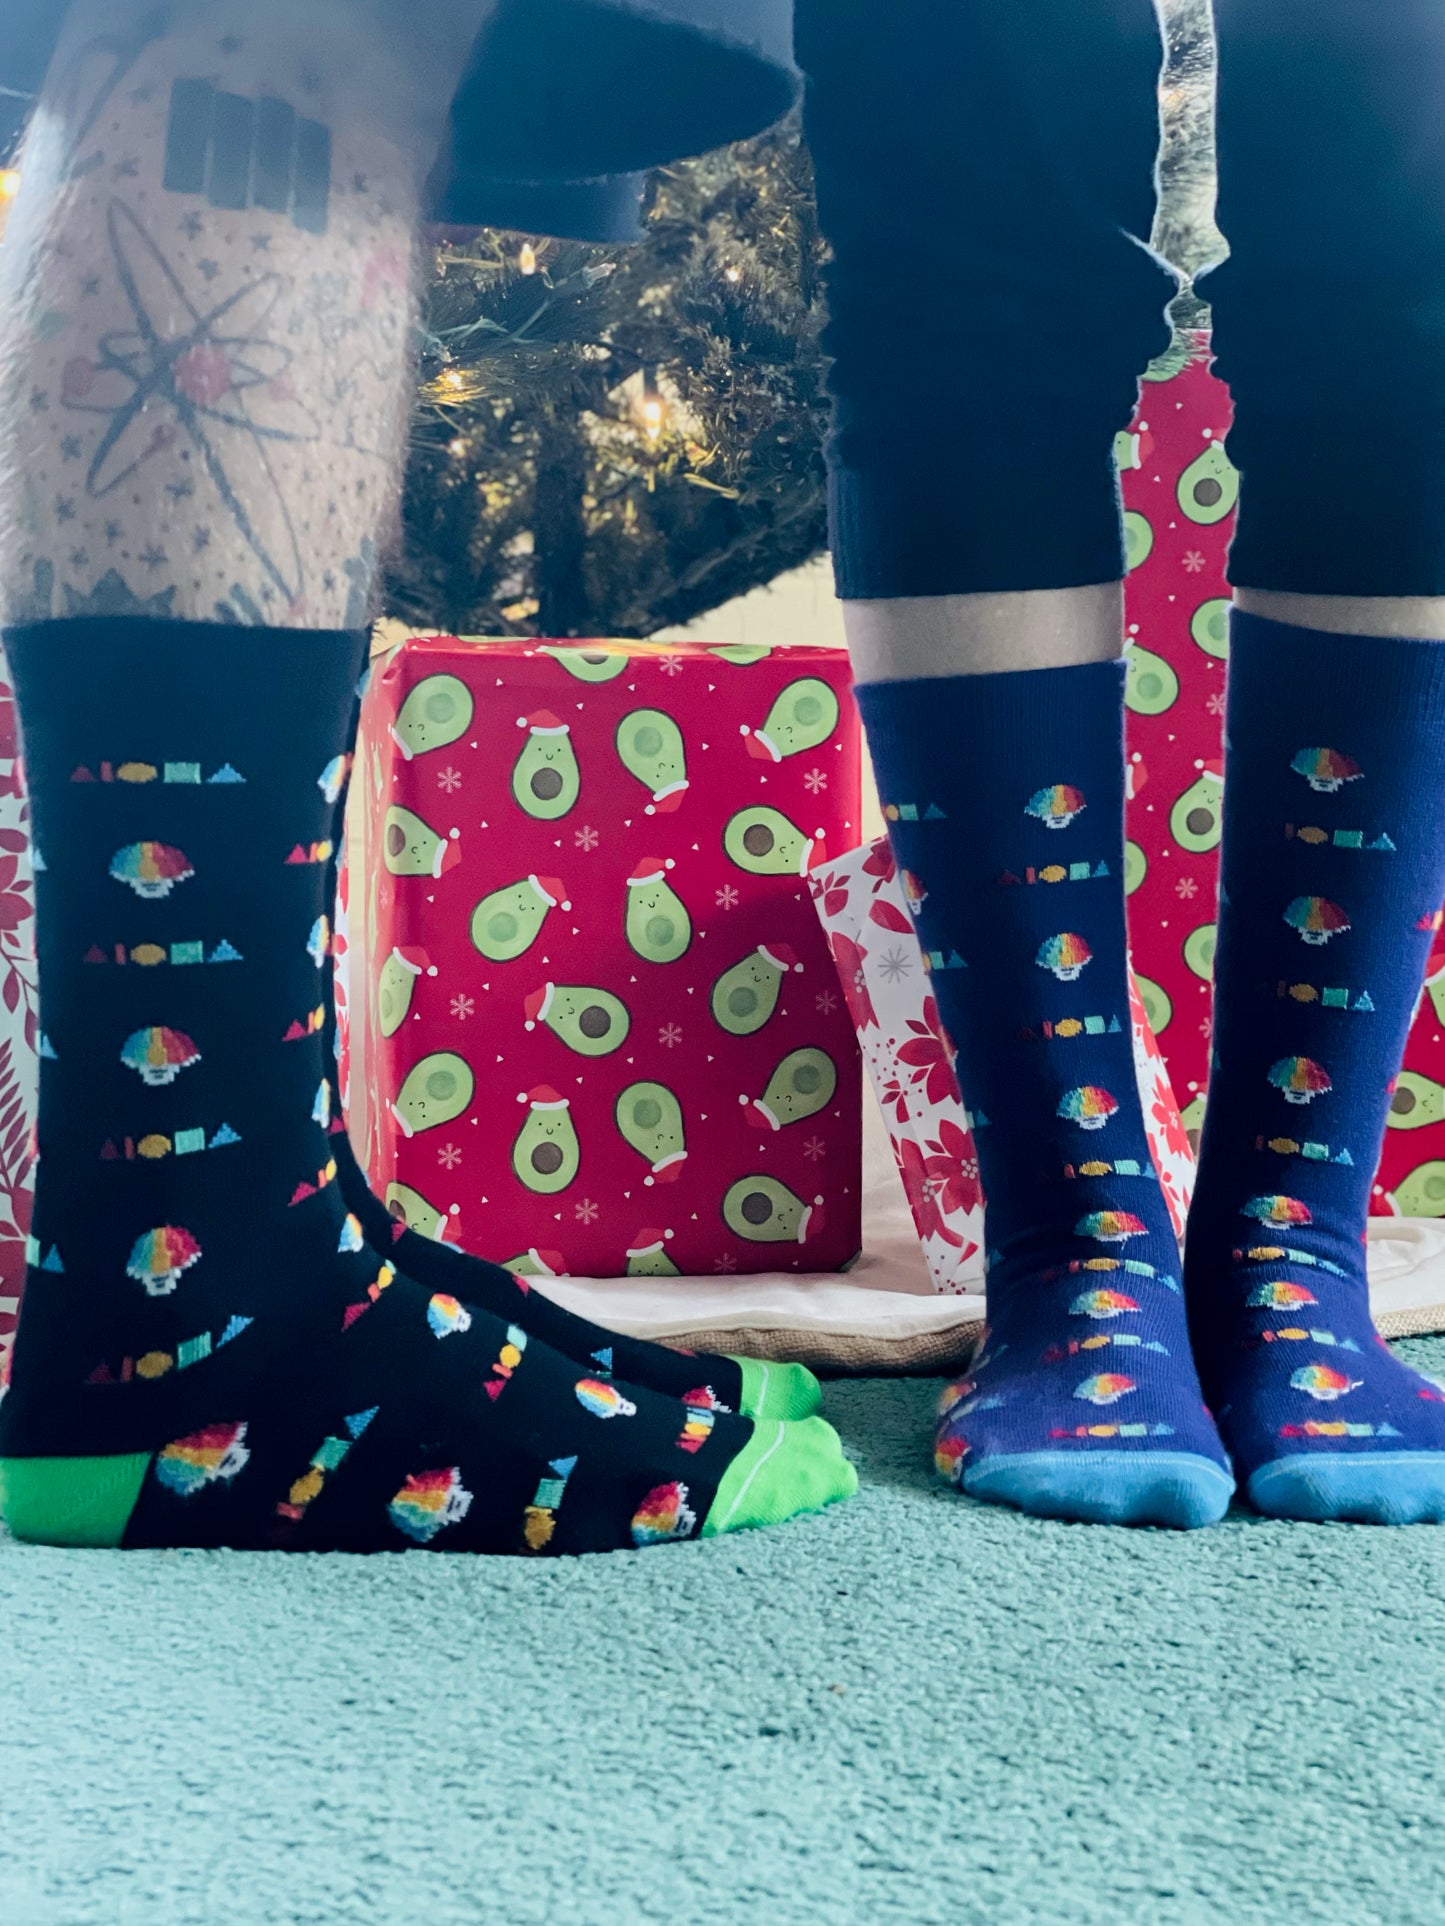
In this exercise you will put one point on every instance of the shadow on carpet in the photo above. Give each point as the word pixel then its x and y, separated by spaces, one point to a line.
pixel 914 1709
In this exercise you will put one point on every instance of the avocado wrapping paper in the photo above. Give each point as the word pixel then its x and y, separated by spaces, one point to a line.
pixel 1180 492
pixel 602 1030
pixel 884 977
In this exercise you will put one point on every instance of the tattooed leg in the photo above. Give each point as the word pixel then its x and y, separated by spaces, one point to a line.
pixel 206 292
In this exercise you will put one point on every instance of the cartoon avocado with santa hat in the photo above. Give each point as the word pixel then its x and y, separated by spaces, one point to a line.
pixel 395 983
pixel 590 1021
pixel 765 1211
pixel 801 1086
pixel 803 717
pixel 761 840
pixel 411 847
pixel 545 778
pixel 745 996
pixel 650 1118
pixel 657 925
pixel 651 747
pixel 435 1091
pixel 413 1212
pixel 647 1255
pixel 546 1153
pixel 509 921
pixel 436 712
pixel 535 1263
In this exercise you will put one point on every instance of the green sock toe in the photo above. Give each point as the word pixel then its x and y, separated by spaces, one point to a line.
pixel 70 1501
pixel 778 1390
pixel 784 1469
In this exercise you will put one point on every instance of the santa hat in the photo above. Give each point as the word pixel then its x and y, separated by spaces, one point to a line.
pixel 811 1220
pixel 448 853
pixel 536 1006
pixel 667 799
pixel 415 960
pixel 761 746
pixel 780 956
pixel 543 1097
pixel 651 869
pixel 542 722
pixel 667 1170
pixel 552 890
pixel 647 1241
pixel 1214 766
pixel 550 1263
pixel 759 1115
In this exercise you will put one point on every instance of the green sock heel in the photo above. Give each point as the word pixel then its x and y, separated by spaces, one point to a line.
pixel 778 1390
pixel 784 1469
pixel 70 1501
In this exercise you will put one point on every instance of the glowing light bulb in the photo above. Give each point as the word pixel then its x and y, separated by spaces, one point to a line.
pixel 451 379
pixel 9 183
pixel 457 447
pixel 652 417
pixel 733 274
pixel 527 259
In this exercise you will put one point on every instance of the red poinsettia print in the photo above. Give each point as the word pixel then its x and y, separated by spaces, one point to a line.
pixel 923 1198
pixel 1166 1116
pixel 953 1168
pixel 879 862
pixel 927 1055
pixel 849 959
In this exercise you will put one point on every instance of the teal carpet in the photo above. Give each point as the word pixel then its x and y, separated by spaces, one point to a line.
pixel 911 1710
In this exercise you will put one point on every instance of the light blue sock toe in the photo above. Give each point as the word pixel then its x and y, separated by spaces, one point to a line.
pixel 1107 1487
pixel 1380 1488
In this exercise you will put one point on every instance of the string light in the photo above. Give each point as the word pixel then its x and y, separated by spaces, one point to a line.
pixel 9 183
pixel 527 259
pixel 457 446
pixel 451 379
pixel 733 274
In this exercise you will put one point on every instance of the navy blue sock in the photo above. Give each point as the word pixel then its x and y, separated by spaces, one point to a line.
pixel 1332 878
pixel 1005 801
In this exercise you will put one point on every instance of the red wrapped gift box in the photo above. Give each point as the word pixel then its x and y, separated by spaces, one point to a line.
pixel 599 1021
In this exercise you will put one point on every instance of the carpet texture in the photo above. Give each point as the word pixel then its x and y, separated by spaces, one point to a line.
pixel 914 1709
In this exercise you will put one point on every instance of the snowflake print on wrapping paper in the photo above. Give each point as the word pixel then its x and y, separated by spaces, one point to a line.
pixel 724 1265
pixel 1206 1028
pixel 449 1156
pixel 1193 561
pixel 895 965
pixel 849 959
pixel 670 1035
pixel 450 780
pixel 586 1212
pixel 927 1055
pixel 816 781
pixel 586 838
pixel 825 1003
pixel 814 1148
pixel 1186 888
pixel 464 1006
pixel 671 665
pixel 1215 703
pixel 727 897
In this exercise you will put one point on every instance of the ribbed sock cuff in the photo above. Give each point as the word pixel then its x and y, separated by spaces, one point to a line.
pixel 1276 668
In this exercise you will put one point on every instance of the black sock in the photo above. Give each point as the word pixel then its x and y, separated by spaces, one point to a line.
pixel 209 1351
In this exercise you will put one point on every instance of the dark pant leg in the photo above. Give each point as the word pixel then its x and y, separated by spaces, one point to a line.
pixel 1329 315
pixel 986 179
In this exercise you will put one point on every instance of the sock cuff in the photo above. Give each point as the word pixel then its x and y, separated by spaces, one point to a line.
pixel 955 717
pixel 1275 665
